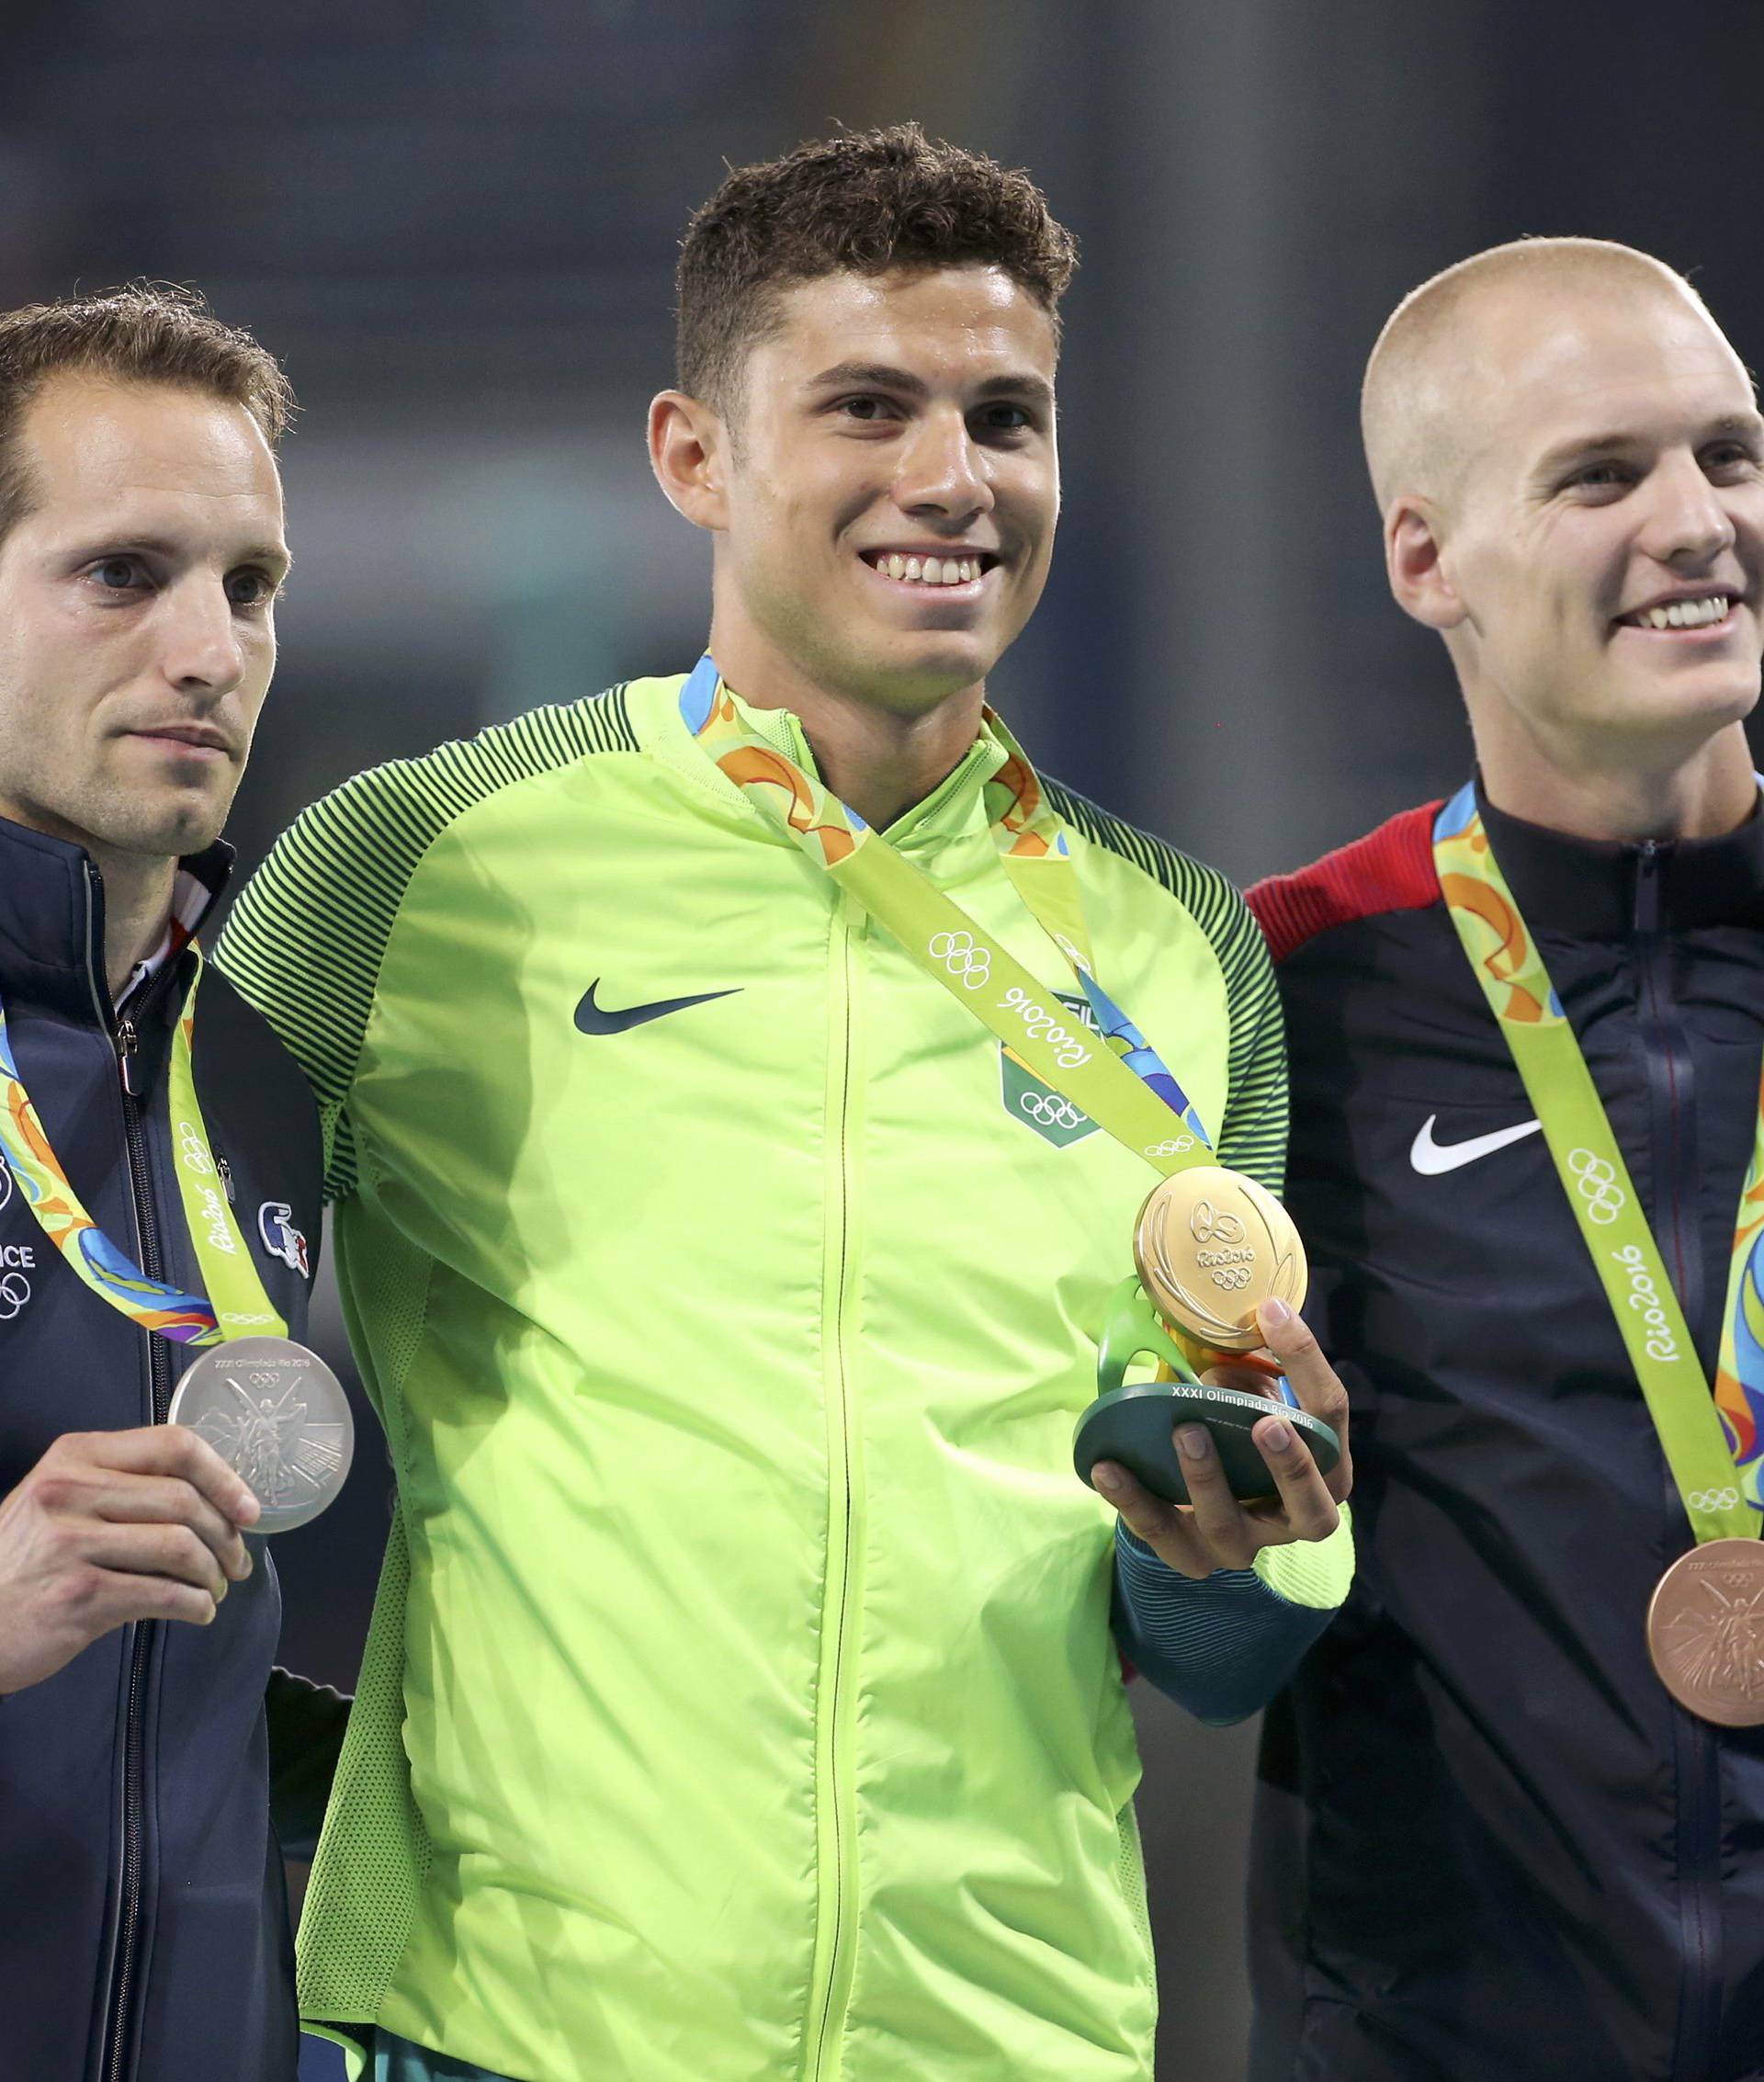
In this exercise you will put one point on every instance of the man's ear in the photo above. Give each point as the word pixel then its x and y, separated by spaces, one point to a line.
pixel 1415 564
pixel 689 452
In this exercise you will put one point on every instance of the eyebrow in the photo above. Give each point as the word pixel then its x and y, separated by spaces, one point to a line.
pixel 880 376
pixel 159 546
pixel 1746 425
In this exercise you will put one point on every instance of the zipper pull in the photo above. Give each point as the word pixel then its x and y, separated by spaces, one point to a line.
pixel 128 1053
pixel 1647 889
pixel 224 1171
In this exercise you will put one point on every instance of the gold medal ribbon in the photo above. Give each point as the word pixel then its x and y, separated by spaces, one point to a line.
pixel 1116 1077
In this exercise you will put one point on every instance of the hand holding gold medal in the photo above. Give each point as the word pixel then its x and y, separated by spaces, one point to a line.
pixel 1212 1247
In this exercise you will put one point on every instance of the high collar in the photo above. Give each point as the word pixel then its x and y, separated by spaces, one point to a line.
pixel 948 809
pixel 1607 888
pixel 52 920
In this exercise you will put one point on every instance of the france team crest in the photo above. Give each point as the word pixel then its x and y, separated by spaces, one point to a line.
pixel 281 1238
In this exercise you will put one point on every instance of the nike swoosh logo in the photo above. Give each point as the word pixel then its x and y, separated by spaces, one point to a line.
pixel 1430 1158
pixel 591 1018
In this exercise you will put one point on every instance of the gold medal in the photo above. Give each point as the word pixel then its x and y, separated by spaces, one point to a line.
pixel 1210 1245
pixel 1705 1632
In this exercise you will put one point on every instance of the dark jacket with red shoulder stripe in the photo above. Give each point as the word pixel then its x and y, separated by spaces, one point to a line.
pixel 1488 1843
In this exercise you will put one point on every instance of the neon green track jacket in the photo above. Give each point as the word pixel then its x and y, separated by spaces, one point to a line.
pixel 740 1699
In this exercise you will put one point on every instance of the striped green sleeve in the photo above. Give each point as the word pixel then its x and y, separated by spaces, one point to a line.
pixel 1252 1136
pixel 305 940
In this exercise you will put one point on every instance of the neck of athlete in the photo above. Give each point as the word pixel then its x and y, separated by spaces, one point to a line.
pixel 137 903
pixel 137 891
pixel 879 760
pixel 1604 785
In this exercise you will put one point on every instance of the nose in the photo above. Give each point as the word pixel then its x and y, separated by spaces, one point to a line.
pixel 1688 524
pixel 202 651
pixel 943 469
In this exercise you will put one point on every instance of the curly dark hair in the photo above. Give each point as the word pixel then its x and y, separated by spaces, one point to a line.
pixel 144 333
pixel 864 201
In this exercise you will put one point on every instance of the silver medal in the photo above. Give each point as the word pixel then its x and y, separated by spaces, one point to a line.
pixel 277 1414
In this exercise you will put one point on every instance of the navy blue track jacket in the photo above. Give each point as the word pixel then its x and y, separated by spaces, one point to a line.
pixel 143 1925
pixel 1488 1843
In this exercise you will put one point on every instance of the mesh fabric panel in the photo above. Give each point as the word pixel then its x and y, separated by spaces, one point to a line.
pixel 1130 1871
pixel 374 1852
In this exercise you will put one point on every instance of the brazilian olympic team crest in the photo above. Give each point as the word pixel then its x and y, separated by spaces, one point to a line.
pixel 1037 1105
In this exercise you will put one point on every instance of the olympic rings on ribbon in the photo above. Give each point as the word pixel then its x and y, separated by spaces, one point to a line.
pixel 963 956
pixel 1598 1186
pixel 1051 1110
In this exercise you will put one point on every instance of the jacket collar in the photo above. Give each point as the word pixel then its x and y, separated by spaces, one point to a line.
pixel 1608 889
pixel 52 920
pixel 948 809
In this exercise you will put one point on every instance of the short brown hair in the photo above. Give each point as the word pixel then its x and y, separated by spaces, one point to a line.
pixel 864 202
pixel 144 333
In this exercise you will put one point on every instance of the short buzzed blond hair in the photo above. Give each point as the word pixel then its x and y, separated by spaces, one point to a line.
pixel 1410 403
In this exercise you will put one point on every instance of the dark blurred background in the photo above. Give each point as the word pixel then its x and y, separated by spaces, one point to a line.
pixel 456 224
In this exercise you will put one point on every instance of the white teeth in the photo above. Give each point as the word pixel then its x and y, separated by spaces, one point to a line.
pixel 929 571
pixel 1686 614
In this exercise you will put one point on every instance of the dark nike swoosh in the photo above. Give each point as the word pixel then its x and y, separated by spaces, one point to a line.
pixel 591 1018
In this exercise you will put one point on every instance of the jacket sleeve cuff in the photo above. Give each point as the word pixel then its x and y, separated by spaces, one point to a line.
pixel 1315 1573
pixel 1222 1645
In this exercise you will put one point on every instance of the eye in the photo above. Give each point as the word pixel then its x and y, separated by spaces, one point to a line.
pixel 866 406
pixel 118 574
pixel 1003 417
pixel 1730 459
pixel 250 587
pixel 1604 478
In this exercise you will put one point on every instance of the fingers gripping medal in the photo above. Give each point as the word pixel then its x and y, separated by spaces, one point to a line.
pixel 277 1416
pixel 1211 1245
pixel 271 1408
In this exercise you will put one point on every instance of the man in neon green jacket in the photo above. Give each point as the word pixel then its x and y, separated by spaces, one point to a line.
pixel 741 1698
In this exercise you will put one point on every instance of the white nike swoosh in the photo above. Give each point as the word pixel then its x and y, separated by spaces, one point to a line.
pixel 1430 1158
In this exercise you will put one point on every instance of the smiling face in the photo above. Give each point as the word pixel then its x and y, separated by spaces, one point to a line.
pixel 887 504
pixel 137 634
pixel 1601 551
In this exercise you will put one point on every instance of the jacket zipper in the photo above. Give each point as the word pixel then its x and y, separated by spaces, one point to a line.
pixel 144 1637
pixel 1695 1767
pixel 835 1819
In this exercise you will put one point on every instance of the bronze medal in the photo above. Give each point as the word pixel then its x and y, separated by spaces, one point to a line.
pixel 1705 1632
pixel 1210 1244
